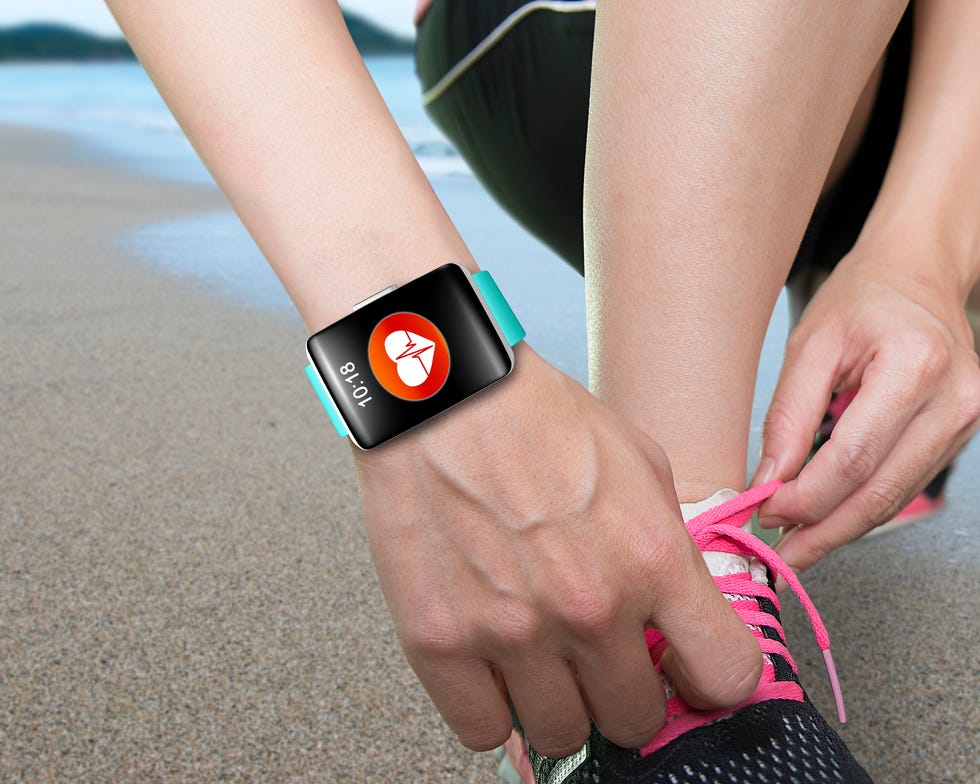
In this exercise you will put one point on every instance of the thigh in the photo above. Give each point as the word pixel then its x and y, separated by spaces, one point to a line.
pixel 518 112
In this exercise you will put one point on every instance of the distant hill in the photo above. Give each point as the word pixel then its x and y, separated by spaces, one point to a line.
pixel 371 39
pixel 41 41
pixel 44 41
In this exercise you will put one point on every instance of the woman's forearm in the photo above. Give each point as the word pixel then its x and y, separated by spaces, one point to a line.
pixel 284 114
pixel 931 193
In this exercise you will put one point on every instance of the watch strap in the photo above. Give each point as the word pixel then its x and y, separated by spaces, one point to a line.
pixel 321 392
pixel 499 307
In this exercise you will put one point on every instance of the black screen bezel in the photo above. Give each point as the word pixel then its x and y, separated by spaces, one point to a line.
pixel 478 354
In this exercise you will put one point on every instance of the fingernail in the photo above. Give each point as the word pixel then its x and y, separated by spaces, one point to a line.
pixel 772 521
pixel 764 472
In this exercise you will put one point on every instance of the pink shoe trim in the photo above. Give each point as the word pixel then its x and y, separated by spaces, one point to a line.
pixel 840 402
pixel 921 506
pixel 719 530
pixel 692 719
pixel 838 405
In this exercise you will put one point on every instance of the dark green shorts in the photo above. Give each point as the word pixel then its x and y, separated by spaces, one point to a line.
pixel 518 115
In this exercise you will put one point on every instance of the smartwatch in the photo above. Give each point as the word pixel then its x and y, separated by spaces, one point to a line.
pixel 408 353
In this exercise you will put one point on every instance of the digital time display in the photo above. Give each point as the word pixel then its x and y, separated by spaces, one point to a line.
pixel 359 390
pixel 409 355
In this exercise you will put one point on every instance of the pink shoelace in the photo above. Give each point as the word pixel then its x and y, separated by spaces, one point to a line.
pixel 720 530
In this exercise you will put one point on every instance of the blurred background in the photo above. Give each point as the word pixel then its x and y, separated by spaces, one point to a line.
pixel 64 67
pixel 185 590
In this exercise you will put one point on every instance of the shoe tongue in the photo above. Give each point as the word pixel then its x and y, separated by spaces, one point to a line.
pixel 719 564
pixel 692 510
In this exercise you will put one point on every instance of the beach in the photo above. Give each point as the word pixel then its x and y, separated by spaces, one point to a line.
pixel 186 593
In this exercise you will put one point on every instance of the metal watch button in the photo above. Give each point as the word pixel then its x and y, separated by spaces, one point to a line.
pixel 373 297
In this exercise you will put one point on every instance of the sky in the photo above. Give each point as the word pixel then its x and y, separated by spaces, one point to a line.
pixel 92 15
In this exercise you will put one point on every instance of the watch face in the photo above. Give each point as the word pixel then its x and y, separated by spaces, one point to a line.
pixel 409 355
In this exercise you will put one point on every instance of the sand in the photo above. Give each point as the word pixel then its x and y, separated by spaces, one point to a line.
pixel 185 590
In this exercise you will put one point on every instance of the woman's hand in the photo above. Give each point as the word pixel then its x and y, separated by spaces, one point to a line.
pixel 891 321
pixel 524 541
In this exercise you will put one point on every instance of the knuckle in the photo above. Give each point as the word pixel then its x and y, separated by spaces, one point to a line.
pixel 589 609
pixel 659 558
pixel 818 550
pixel 966 401
pixel 928 357
pixel 778 420
pixel 858 460
pixel 883 499
pixel 670 570
pixel 435 633
pixel 657 457
pixel 561 742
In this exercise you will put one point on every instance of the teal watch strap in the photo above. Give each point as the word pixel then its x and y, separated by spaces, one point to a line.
pixel 321 392
pixel 499 307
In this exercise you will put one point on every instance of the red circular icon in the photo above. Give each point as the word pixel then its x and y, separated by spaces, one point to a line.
pixel 409 356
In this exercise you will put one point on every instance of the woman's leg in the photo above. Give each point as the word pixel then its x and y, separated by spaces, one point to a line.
pixel 480 129
pixel 713 129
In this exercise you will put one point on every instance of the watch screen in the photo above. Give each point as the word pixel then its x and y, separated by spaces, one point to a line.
pixel 409 355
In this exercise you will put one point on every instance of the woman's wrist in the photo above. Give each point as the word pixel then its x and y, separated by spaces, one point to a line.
pixel 931 194
pixel 496 409
pixel 942 255
pixel 918 267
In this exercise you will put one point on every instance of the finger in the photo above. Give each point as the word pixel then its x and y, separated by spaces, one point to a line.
pixel 549 704
pixel 715 660
pixel 718 661
pixel 622 689
pixel 470 699
pixel 866 434
pixel 679 679
pixel 798 405
pixel 884 495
